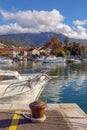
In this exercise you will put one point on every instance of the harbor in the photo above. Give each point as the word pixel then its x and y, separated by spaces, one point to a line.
pixel 58 117
pixel 43 92
pixel 43 65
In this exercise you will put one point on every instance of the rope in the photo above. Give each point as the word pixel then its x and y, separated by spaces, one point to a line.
pixel 42 119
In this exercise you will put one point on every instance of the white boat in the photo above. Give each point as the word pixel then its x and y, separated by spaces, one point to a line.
pixel 53 59
pixel 40 59
pixel 4 60
pixel 77 61
pixel 84 60
pixel 25 91
pixel 74 61
pixel 10 76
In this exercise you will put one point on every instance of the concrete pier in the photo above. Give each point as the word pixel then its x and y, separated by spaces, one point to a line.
pixel 58 117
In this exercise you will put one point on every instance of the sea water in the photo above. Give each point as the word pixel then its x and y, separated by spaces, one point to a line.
pixel 68 83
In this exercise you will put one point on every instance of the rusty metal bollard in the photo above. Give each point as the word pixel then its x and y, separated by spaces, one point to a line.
pixel 37 109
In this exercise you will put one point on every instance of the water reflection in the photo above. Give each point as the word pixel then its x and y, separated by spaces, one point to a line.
pixel 68 84
pixel 69 87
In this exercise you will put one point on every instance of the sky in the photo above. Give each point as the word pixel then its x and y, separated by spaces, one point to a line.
pixel 68 17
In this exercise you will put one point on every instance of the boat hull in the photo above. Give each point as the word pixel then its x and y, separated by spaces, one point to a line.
pixel 28 96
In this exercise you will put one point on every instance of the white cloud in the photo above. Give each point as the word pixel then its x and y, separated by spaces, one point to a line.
pixel 40 21
pixel 15 28
pixel 34 18
pixel 79 22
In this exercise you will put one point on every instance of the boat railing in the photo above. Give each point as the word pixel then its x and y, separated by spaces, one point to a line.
pixel 22 84
pixel 13 86
pixel 35 80
pixel 38 78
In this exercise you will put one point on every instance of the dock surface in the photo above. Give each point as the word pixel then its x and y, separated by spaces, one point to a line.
pixel 58 117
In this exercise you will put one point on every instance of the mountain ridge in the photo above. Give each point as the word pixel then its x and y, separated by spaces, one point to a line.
pixel 34 39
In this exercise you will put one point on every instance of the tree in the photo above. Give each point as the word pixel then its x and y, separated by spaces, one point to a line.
pixel 55 47
pixel 54 43
pixel 58 52
pixel 43 54
pixel 66 41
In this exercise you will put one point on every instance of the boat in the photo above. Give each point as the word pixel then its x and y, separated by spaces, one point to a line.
pixel 40 59
pixel 10 76
pixel 74 61
pixel 77 61
pixel 84 60
pixel 53 59
pixel 4 60
pixel 25 91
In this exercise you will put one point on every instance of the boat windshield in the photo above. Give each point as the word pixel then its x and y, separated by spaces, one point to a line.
pixel 4 77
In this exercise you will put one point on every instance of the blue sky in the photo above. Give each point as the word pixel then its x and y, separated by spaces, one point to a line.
pixel 33 16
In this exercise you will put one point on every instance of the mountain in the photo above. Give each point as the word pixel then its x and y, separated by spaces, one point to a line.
pixel 32 39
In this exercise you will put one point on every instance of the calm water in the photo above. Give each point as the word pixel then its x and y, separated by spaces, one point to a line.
pixel 68 83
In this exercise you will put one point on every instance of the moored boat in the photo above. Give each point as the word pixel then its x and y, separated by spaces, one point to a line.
pixel 10 76
pixel 53 59
pixel 24 91
pixel 4 60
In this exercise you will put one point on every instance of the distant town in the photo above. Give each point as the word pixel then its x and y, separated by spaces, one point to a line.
pixel 53 47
